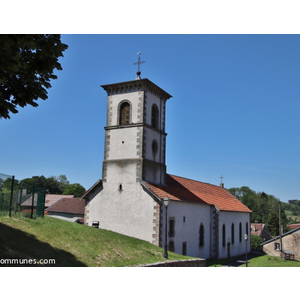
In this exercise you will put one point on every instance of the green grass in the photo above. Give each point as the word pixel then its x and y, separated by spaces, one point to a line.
pixel 258 261
pixel 271 261
pixel 291 216
pixel 72 244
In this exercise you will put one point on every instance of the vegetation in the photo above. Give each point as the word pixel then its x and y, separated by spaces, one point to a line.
pixel 74 189
pixel 72 244
pixel 53 185
pixel 255 241
pixel 265 208
pixel 271 261
pixel 292 209
pixel 260 260
pixel 27 62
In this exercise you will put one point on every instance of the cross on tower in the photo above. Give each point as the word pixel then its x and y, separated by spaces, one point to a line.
pixel 221 178
pixel 138 63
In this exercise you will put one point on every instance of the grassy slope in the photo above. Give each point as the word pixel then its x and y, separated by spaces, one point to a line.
pixel 72 244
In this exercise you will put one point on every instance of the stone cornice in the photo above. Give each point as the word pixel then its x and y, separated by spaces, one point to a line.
pixel 134 125
pixel 134 86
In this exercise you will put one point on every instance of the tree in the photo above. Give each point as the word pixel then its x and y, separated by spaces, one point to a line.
pixel 273 223
pixel 74 189
pixel 255 241
pixel 51 184
pixel 27 63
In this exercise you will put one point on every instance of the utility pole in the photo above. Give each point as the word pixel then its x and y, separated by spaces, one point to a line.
pixel 280 233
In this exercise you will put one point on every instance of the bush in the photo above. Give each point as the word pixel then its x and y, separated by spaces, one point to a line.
pixel 255 242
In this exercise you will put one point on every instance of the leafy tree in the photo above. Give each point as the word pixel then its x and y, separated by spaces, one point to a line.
pixel 255 241
pixel 51 184
pixel 27 63
pixel 74 189
pixel 273 223
pixel 6 185
pixel 63 181
pixel 264 208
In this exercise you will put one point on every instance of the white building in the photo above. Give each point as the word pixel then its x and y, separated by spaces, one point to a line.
pixel 204 220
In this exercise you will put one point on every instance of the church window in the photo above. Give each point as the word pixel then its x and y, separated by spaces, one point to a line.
pixel 201 235
pixel 154 116
pixel 171 227
pixel 171 246
pixel 224 235
pixel 240 232
pixel 124 114
pixel 184 248
pixel 232 233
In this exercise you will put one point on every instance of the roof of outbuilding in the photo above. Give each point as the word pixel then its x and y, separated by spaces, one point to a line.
pixel 50 199
pixel 257 228
pixel 188 190
pixel 293 226
pixel 68 205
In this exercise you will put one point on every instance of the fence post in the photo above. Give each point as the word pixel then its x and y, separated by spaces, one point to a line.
pixel 11 194
pixel 2 197
pixel 31 216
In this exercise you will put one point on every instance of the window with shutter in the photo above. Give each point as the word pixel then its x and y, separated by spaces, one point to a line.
pixel 124 114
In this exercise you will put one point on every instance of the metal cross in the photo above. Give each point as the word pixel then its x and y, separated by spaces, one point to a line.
pixel 221 178
pixel 139 62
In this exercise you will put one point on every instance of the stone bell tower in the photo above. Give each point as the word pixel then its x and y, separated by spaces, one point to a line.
pixel 135 137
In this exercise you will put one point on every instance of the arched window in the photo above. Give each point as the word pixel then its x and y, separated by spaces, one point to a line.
pixel 124 114
pixel 154 116
pixel 240 232
pixel 224 235
pixel 201 235
pixel 232 233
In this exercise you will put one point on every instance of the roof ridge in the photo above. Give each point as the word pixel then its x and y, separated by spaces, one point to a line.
pixel 55 202
pixel 197 181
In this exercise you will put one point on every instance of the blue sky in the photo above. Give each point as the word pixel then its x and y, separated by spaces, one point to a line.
pixel 234 110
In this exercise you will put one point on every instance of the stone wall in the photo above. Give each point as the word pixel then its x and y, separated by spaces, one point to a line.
pixel 289 242
pixel 179 263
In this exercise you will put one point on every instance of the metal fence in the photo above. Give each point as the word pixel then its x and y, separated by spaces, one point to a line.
pixel 15 199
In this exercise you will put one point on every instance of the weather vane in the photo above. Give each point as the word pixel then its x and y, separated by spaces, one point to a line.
pixel 138 63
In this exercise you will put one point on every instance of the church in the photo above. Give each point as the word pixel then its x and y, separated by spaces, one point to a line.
pixel 200 220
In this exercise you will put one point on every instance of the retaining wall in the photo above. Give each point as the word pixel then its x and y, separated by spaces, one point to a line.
pixel 179 263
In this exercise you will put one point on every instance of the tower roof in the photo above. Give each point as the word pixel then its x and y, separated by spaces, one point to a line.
pixel 135 85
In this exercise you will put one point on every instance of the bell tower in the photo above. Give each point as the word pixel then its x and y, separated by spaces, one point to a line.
pixel 135 137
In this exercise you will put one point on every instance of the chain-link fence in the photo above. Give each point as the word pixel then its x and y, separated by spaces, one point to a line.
pixel 32 203
pixel 6 193
pixel 15 198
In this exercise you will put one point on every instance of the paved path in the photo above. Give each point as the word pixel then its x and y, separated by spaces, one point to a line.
pixel 241 260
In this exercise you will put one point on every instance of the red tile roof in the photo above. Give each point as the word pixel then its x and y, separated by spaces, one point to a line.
pixel 183 189
pixel 293 226
pixel 256 228
pixel 68 205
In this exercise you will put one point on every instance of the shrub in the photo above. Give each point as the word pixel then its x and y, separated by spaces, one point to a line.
pixel 255 241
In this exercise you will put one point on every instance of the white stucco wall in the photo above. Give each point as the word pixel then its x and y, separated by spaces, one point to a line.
pixel 123 143
pixel 238 248
pixel 188 230
pixel 128 212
